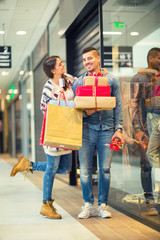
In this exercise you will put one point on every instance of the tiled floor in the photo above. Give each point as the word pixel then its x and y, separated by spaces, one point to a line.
pixel 20 203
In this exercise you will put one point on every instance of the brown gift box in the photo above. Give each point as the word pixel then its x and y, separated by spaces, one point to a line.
pixel 91 80
pixel 106 103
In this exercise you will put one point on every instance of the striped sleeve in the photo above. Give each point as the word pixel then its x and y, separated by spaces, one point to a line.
pixel 46 97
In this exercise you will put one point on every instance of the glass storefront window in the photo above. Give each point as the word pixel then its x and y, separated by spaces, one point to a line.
pixel 29 108
pixel 130 30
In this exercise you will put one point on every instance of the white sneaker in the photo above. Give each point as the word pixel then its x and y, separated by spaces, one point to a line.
pixel 102 211
pixel 88 210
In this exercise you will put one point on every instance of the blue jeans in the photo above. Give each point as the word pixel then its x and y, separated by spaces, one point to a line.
pixel 100 140
pixel 146 175
pixel 64 165
pixel 54 164
pixel 153 151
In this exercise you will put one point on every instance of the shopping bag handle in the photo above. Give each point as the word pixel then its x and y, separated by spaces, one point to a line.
pixel 64 99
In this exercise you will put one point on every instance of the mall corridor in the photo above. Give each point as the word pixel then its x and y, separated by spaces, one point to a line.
pixel 20 203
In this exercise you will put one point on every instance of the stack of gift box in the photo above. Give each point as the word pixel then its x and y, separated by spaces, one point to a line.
pixel 95 93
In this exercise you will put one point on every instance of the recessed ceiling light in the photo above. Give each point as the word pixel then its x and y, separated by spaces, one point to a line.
pixel 15 91
pixel 134 33
pixel 112 33
pixel 21 32
pixel 21 72
pixel 2 32
pixel 4 73
pixel 61 32
pixel 7 97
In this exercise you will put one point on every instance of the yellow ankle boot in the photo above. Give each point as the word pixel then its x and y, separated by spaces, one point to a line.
pixel 22 165
pixel 49 211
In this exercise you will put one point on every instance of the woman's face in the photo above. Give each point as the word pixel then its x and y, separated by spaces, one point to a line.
pixel 59 67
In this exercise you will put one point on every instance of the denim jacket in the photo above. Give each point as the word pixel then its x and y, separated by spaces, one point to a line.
pixel 105 119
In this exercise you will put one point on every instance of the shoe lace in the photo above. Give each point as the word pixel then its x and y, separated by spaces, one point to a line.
pixel 85 208
pixel 103 208
pixel 52 208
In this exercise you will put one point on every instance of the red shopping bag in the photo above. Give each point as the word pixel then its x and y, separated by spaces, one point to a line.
pixel 43 128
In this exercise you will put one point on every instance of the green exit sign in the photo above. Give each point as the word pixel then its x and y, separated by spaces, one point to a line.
pixel 11 91
pixel 118 25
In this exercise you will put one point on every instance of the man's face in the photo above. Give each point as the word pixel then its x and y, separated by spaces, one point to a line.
pixel 91 61
pixel 155 62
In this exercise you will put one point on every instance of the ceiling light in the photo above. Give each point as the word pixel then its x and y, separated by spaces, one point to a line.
pixel 15 91
pixel 112 33
pixel 134 33
pixel 2 32
pixel 10 91
pixel 4 73
pixel 21 72
pixel 8 97
pixel 21 32
pixel 61 32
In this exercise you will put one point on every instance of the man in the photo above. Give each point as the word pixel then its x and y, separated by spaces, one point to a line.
pixel 142 85
pixel 99 128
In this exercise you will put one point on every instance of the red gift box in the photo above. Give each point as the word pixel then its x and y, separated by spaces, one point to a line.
pixel 88 91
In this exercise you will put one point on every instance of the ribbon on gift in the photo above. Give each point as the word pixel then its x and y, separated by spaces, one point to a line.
pixel 96 77
pixel 96 84
pixel 94 95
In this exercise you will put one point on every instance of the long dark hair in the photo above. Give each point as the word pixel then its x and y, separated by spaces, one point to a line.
pixel 49 64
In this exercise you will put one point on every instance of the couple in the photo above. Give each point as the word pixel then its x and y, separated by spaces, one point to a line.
pixel 99 128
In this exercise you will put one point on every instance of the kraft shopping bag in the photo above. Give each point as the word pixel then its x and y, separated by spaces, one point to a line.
pixel 63 127
pixel 55 102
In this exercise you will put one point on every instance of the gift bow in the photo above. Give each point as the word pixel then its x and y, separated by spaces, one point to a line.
pixel 116 144
pixel 99 74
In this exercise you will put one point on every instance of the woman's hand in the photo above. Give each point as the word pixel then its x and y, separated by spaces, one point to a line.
pixel 104 71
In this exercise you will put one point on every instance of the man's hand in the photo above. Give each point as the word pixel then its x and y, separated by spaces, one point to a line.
pixel 119 135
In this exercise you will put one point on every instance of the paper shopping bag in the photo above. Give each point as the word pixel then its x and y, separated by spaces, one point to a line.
pixel 63 127
pixel 63 103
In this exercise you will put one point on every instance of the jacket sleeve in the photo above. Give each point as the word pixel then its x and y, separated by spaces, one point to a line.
pixel 78 82
pixel 118 110
pixel 45 98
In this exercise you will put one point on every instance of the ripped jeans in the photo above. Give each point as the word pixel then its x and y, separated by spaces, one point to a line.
pixel 100 140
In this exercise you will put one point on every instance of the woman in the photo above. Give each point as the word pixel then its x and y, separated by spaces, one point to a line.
pixel 58 160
